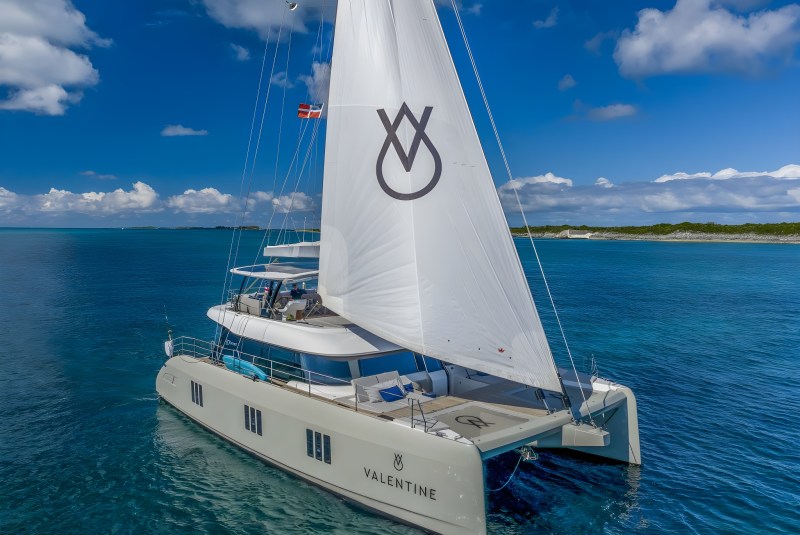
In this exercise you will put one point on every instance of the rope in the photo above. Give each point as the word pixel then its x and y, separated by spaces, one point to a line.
pixel 280 139
pixel 228 275
pixel 299 170
pixel 260 130
pixel 519 203
pixel 509 477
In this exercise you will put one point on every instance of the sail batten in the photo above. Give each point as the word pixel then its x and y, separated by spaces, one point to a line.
pixel 414 245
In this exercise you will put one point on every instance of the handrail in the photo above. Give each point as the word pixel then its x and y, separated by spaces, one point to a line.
pixel 196 348
pixel 411 402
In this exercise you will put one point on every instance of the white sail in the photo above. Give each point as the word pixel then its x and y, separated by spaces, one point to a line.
pixel 415 247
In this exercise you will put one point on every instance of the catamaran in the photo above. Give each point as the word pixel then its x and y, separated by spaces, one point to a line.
pixel 388 361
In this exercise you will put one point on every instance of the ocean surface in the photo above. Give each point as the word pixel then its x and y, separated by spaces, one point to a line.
pixel 706 334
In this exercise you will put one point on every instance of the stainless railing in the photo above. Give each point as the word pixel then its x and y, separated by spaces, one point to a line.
pixel 279 370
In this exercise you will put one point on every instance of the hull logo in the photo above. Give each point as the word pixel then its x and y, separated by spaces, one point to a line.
pixel 407 159
pixel 398 461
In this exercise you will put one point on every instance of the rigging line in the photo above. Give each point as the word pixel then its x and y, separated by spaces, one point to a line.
pixel 298 174
pixel 302 170
pixel 280 138
pixel 318 60
pixel 260 133
pixel 522 211
pixel 228 281
pixel 293 167
pixel 284 226
pixel 244 169
pixel 303 127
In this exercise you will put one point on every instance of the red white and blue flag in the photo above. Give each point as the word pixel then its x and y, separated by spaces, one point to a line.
pixel 309 111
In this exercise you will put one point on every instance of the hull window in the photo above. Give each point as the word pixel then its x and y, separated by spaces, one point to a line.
pixel 252 420
pixel 197 393
pixel 318 446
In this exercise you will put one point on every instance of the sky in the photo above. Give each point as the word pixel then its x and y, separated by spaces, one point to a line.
pixel 138 113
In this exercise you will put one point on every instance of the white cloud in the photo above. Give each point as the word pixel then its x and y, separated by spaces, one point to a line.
pixel 701 36
pixel 54 20
pixel 8 200
pixel 567 82
pixel 293 202
pixel 318 82
pixel 611 112
pixel 204 201
pixel 748 196
pixel 549 22
pixel 267 17
pixel 98 176
pixel 141 201
pixel 142 198
pixel 42 74
pixel 595 44
pixel 173 130
pixel 475 9
pixel 787 171
pixel 547 178
pixel 281 79
pixel 240 52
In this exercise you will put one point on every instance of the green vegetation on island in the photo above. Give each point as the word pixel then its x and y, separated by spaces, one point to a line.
pixel 664 229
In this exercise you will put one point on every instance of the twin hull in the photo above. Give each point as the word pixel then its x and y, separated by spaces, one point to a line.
pixel 405 473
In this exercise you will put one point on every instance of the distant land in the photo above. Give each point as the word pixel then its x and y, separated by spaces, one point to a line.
pixel 705 232
pixel 748 232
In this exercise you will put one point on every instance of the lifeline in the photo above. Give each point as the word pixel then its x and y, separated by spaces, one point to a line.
pixel 396 482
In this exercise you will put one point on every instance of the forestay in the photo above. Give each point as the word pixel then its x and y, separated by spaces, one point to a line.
pixel 415 247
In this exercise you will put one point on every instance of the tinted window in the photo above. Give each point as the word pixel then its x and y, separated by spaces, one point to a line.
pixel 326 371
pixel 403 363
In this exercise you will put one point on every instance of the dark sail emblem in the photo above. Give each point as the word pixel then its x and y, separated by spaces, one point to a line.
pixel 398 461
pixel 407 159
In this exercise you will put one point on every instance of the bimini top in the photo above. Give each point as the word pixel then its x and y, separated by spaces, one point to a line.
pixel 278 272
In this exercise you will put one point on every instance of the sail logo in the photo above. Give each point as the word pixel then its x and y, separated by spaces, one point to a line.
pixel 398 461
pixel 407 158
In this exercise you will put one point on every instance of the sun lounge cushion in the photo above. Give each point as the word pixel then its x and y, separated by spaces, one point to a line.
pixel 392 393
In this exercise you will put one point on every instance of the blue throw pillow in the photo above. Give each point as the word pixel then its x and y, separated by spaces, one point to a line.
pixel 393 393
pixel 409 387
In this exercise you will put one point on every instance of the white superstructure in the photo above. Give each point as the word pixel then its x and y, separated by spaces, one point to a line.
pixel 390 369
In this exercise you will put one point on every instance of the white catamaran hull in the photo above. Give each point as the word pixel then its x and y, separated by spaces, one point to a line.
pixel 407 474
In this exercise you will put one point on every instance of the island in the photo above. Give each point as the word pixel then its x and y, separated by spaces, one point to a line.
pixel 701 232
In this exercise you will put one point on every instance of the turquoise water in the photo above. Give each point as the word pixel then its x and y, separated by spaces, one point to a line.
pixel 707 335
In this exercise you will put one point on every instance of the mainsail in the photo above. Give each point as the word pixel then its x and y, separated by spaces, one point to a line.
pixel 415 247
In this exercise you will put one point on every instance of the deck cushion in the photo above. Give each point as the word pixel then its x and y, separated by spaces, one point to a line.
pixel 392 393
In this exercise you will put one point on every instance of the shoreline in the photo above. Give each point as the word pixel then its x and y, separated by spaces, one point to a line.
pixel 682 237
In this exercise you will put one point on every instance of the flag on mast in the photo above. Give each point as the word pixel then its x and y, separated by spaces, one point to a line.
pixel 309 111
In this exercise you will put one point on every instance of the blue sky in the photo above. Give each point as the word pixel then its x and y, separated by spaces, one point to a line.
pixel 138 113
